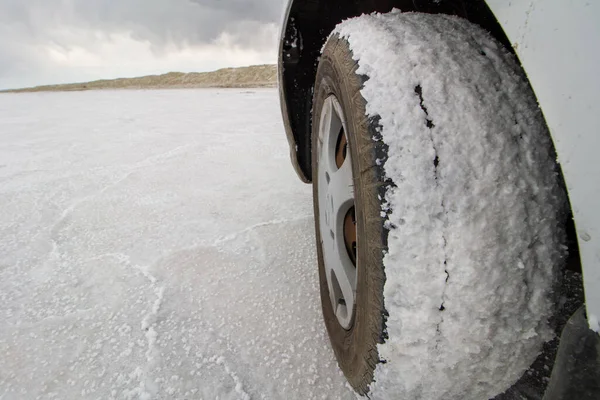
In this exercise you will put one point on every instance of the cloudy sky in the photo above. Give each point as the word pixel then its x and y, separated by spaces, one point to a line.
pixel 58 41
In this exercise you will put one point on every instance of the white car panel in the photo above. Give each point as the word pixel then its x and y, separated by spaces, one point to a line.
pixel 558 43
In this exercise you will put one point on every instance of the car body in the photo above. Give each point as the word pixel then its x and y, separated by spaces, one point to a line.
pixel 554 41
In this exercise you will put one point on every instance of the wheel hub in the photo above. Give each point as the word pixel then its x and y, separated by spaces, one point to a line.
pixel 337 221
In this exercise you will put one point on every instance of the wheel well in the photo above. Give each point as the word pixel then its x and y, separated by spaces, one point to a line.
pixel 309 24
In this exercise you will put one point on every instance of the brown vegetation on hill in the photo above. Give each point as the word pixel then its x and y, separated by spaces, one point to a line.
pixel 253 76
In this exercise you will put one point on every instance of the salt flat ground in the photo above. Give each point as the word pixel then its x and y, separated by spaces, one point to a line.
pixel 156 245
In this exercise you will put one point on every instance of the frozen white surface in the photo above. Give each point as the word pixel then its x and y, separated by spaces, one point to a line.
pixel 474 237
pixel 156 245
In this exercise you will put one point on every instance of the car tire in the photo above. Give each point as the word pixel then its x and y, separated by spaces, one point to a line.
pixel 375 345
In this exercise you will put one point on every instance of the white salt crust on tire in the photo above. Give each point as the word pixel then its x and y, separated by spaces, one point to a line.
pixel 476 235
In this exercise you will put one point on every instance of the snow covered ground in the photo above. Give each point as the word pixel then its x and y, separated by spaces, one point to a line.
pixel 156 245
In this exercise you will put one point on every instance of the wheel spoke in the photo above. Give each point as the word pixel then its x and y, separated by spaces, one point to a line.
pixel 339 264
pixel 342 188
pixel 346 277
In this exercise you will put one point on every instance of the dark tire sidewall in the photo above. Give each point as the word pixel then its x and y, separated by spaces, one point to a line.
pixel 356 348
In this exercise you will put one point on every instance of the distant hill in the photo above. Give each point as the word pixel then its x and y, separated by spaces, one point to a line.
pixel 253 76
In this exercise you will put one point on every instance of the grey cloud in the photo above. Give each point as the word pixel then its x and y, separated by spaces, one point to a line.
pixel 27 24
pixel 179 22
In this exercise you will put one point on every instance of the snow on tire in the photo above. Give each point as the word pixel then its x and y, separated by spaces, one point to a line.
pixel 459 208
